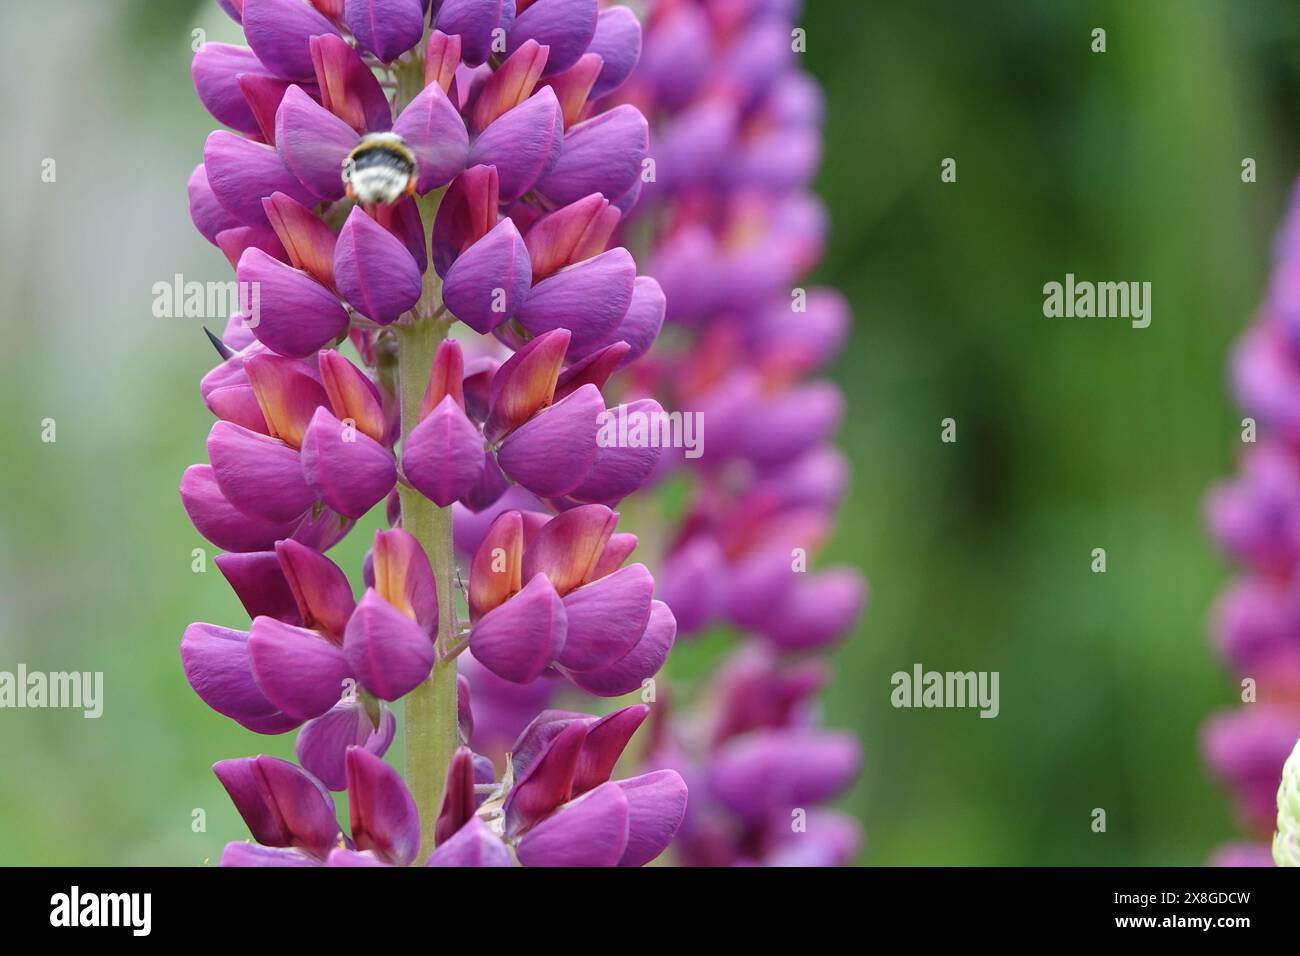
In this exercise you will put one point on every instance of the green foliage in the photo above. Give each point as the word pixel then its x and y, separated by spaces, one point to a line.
pixel 1073 433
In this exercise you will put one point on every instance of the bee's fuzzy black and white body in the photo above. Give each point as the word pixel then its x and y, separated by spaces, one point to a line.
pixel 381 169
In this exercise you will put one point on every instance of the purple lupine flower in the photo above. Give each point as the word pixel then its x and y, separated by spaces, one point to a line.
pixel 293 439
pixel 529 268
pixel 552 592
pixel 1256 519
pixel 315 656
pixel 291 815
pixel 557 805
pixel 527 419
pixel 324 741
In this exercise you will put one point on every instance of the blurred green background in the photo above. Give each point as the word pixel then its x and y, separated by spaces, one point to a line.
pixel 1072 433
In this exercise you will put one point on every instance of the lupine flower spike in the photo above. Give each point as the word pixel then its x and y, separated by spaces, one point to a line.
pixel 393 174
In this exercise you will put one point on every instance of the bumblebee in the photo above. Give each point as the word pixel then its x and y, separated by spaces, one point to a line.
pixel 381 169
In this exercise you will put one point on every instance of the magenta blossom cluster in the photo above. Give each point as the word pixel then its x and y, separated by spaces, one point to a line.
pixel 393 171
pixel 557 805
pixel 566 600
pixel 1255 516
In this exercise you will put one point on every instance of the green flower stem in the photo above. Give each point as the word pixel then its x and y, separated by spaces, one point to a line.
pixel 431 709
pixel 431 731
pixel 432 735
